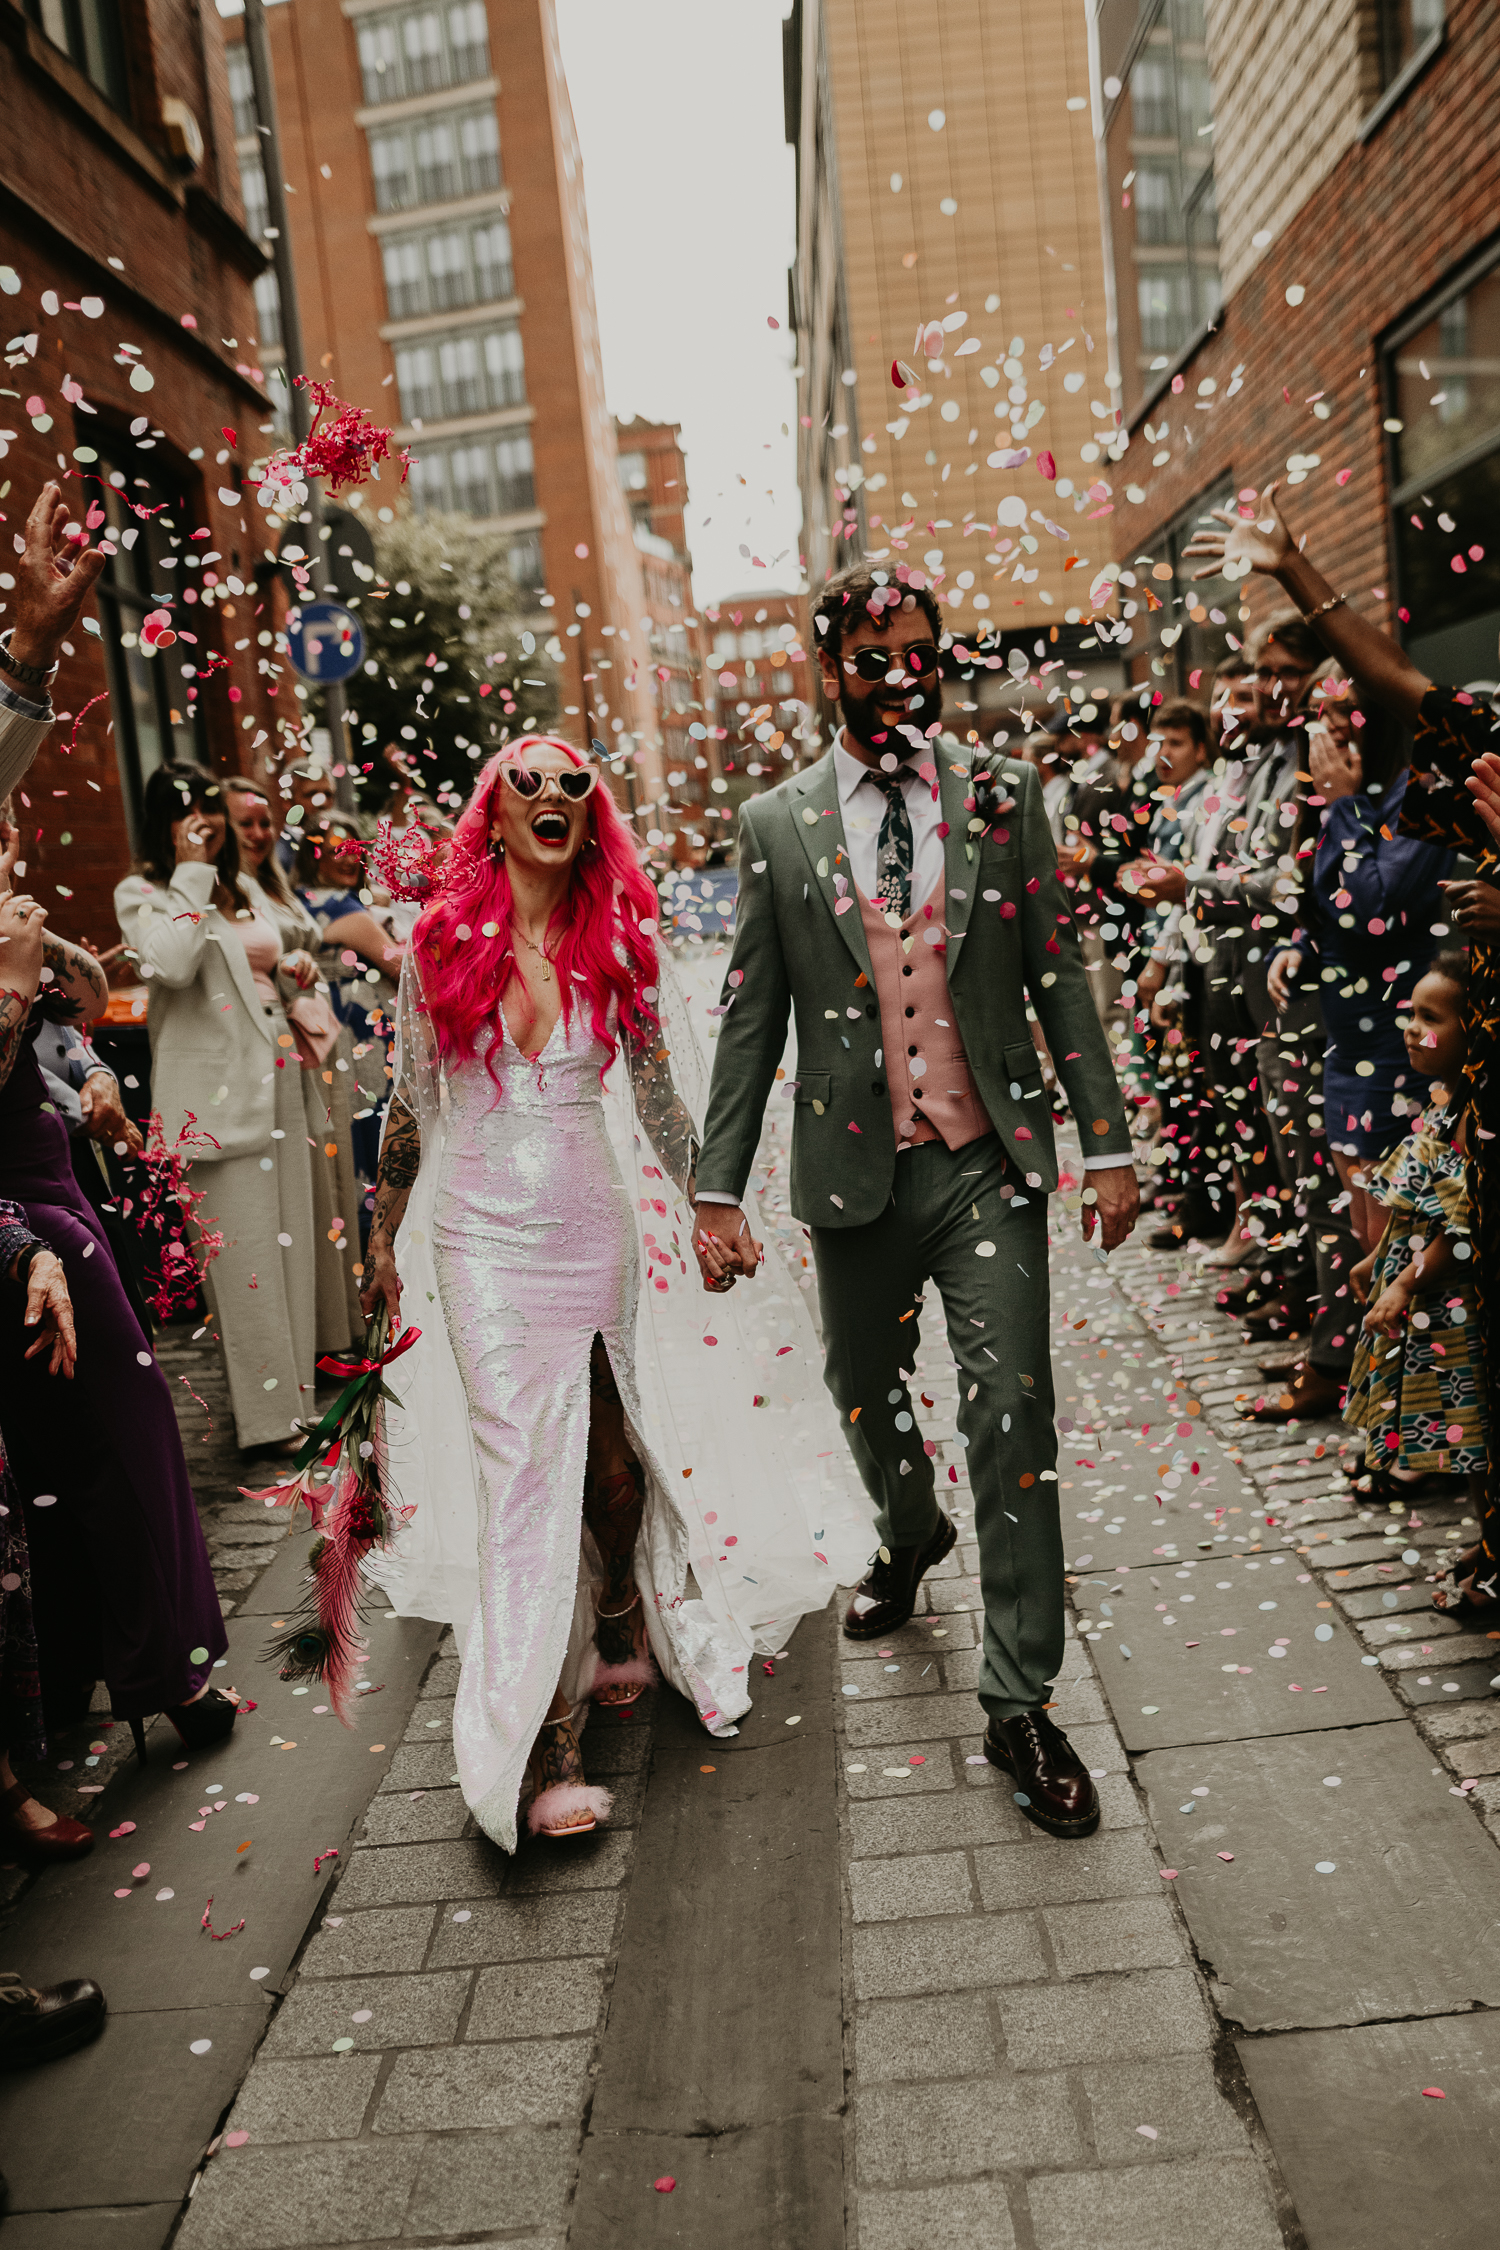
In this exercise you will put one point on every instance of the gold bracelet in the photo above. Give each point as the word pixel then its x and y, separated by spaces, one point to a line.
pixel 1323 608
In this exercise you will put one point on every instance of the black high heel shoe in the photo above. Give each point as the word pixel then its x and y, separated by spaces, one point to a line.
pixel 200 1724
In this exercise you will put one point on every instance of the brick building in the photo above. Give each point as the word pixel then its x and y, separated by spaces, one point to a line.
pixel 440 239
pixel 946 184
pixel 1343 337
pixel 653 478
pixel 127 273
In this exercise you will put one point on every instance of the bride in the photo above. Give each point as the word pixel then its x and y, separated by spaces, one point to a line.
pixel 508 1226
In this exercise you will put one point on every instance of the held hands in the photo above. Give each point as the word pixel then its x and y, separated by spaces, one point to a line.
pixel 104 1117
pixel 1116 1205
pixel 1262 544
pixel 723 1245
pixel 56 575
pixel 49 1309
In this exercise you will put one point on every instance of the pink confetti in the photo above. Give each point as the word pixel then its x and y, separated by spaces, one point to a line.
pixel 1226 1855
pixel 1434 2093
pixel 143 1870
pixel 1167 1874
pixel 235 2140
pixel 665 2184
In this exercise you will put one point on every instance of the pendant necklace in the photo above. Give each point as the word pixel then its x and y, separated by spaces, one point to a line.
pixel 543 962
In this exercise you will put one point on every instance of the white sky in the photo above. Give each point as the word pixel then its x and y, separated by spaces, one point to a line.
pixel 691 204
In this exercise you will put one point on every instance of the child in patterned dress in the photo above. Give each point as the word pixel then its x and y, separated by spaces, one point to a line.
pixel 1413 1390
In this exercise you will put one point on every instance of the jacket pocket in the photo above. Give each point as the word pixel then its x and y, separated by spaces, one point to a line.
pixel 814 1086
pixel 1022 1061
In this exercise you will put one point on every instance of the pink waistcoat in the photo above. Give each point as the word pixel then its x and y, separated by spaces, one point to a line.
pixel 932 1094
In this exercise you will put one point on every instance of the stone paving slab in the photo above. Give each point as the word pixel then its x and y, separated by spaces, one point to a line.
pixel 142 2227
pixel 1219 2199
pixel 1368 2157
pixel 1165 1692
pixel 1402 1924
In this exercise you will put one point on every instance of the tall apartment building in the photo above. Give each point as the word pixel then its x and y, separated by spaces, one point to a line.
pixel 1301 206
pixel 441 246
pixel 125 273
pixel 946 185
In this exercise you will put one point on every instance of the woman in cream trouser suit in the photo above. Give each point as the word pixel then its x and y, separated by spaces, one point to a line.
pixel 225 1059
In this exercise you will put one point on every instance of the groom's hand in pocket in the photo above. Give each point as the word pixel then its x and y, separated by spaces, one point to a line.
pixel 723 1244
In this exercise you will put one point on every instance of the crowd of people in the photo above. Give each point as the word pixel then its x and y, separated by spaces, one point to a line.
pixel 1285 898
pixel 1285 895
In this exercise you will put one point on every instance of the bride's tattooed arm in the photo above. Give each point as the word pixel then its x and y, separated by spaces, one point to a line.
pixel 400 1161
pixel 663 1112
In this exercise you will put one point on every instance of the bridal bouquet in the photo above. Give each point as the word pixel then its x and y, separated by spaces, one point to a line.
pixel 340 1474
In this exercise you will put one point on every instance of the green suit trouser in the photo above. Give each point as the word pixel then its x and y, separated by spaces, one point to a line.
pixel 948 1221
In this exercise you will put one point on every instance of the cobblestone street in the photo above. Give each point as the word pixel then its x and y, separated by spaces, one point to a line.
pixel 825 1978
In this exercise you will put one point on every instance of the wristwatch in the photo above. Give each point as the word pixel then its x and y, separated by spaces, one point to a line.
pixel 29 675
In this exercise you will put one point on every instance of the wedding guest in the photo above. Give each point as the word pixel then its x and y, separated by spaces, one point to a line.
pixel 226 1076
pixel 361 959
pixel 121 1583
pixel 326 1055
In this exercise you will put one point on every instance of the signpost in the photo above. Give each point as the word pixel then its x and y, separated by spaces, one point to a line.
pixel 324 642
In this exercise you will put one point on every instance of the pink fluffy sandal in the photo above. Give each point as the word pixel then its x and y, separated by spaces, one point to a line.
pixel 634 1674
pixel 558 1789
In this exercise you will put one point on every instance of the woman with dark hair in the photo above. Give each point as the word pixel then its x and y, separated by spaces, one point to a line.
pixel 1370 902
pixel 326 1060
pixel 226 1084
pixel 121 1584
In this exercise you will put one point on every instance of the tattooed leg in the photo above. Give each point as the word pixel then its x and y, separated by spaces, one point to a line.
pixel 614 1499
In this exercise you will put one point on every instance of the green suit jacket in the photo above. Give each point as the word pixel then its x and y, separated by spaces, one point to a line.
pixel 1010 935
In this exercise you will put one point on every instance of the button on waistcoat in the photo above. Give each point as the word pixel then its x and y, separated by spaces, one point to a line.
pixel 932 1094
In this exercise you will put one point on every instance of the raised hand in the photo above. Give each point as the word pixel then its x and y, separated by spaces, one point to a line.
pixel 1262 543
pixel 1483 785
pixel 54 578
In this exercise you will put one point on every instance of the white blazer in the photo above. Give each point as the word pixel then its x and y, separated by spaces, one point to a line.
pixel 213 1047
pixel 21 736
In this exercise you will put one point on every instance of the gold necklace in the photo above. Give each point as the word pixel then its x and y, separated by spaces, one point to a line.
pixel 544 963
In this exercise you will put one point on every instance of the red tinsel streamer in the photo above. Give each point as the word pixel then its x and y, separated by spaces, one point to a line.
pixel 346 451
pixel 219 1936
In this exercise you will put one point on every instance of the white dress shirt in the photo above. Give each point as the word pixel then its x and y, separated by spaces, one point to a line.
pixel 862 807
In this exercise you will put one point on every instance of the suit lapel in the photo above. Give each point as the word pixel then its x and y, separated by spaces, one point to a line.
pixel 819 822
pixel 960 856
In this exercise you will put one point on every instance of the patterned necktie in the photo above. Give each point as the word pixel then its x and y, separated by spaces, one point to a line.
pixel 893 854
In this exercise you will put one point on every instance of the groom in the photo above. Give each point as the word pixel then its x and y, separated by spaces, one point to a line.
pixel 905 903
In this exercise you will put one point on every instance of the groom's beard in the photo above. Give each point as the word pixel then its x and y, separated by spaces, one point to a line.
pixel 863 722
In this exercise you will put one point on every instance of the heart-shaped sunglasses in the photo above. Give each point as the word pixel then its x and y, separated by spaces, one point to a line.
pixel 574 782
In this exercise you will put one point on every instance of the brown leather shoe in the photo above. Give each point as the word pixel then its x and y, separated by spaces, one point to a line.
pixel 888 1590
pixel 1283 1362
pixel 62 1839
pixel 1053 1787
pixel 1311 1396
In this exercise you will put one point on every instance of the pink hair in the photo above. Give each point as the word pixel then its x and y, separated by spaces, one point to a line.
pixel 602 946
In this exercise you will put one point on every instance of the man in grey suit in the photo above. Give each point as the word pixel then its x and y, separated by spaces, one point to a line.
pixel 902 896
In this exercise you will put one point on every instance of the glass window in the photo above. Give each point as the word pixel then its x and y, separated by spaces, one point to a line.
pixel 437 162
pixel 419 49
pixel 149 726
pixel 469 40
pixel 515 487
pixel 466 373
pixel 417 383
pixel 1443 387
pixel 1404 29
pixel 526 563
pixel 479 134
pixel 428 483
pixel 1202 608
pixel 469 467
pixel 268 310
pixel 460 370
pixel 405 277
pixel 379 62
pixel 505 366
pixel 633 472
pixel 253 191
pixel 390 161
pixel 1164 218
pixel 241 90
pixel 448 270
pixel 494 275
pixel 88 31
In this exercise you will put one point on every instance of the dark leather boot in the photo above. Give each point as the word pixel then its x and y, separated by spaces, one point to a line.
pixel 1053 1787
pixel 37 2025
pixel 887 1594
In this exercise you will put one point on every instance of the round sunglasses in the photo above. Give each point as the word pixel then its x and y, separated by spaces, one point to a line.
pixel 875 663
pixel 574 782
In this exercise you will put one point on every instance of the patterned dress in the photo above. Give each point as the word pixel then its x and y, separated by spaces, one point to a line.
pixel 1453 730
pixel 1417 1399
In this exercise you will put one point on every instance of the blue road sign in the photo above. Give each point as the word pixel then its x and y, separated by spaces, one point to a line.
pixel 324 641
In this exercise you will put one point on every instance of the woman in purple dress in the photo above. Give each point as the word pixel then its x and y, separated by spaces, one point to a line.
pixel 121 1585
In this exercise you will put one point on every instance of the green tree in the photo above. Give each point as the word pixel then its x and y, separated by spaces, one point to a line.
pixel 454 660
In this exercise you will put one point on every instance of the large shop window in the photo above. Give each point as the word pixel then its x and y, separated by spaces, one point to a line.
pixel 1158 150
pixel 148 695
pixel 1442 393
pixel 1198 614
pixel 89 31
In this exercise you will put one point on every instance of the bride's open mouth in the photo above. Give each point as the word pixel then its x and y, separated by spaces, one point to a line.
pixel 550 826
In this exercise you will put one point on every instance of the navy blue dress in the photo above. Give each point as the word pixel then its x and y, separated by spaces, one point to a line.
pixel 1371 923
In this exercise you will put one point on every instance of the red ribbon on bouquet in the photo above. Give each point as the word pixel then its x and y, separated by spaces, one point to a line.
pixel 351 1367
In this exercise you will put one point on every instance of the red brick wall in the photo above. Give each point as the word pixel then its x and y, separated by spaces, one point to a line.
pixel 1397 215
pixel 103 192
